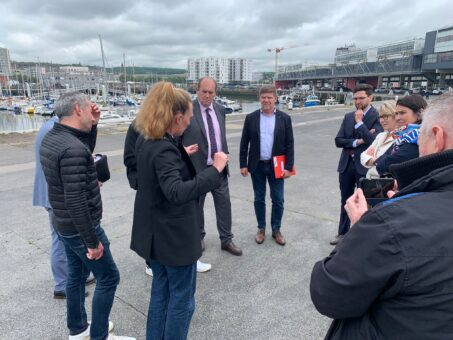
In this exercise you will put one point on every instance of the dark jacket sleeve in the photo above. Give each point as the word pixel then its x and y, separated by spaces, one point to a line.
pixel 73 172
pixel 244 144
pixel 93 138
pixel 354 275
pixel 177 191
pixel 404 153
pixel 365 133
pixel 289 144
pixel 129 158
pixel 341 141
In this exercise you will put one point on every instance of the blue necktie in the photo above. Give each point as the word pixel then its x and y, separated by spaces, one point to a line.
pixel 211 133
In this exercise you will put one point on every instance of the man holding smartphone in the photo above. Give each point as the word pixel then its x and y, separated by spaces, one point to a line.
pixel 357 132
pixel 391 277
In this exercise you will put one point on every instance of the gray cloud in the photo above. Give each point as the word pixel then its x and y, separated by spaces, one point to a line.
pixel 166 32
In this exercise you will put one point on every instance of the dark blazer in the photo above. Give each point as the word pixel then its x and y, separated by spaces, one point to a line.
pixel 166 224
pixel 346 136
pixel 249 150
pixel 196 134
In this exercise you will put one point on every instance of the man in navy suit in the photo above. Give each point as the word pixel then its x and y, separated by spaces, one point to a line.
pixel 357 132
pixel 267 133
pixel 206 135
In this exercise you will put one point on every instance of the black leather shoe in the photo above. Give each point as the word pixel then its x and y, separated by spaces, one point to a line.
pixel 336 239
pixel 60 295
pixel 232 248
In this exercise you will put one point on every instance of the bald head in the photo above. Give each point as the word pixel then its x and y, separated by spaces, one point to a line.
pixel 206 91
pixel 436 132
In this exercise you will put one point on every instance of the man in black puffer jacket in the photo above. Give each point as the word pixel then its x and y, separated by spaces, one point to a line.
pixel 68 164
pixel 391 276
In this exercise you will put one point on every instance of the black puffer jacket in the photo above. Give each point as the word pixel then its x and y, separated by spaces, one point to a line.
pixel 391 276
pixel 67 161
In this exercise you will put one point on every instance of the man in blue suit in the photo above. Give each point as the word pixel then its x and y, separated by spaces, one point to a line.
pixel 267 132
pixel 357 132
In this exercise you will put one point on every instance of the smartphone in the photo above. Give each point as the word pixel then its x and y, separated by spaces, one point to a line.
pixel 376 188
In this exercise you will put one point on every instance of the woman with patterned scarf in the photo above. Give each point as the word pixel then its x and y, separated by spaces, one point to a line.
pixel 408 118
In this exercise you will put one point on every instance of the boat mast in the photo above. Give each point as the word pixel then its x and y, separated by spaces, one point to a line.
pixel 104 82
pixel 124 68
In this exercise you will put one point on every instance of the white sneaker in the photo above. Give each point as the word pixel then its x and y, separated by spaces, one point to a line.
pixel 148 271
pixel 85 335
pixel 118 337
pixel 203 267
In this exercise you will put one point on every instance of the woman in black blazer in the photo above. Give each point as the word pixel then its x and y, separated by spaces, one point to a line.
pixel 166 229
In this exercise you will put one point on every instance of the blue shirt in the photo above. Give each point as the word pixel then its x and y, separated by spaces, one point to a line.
pixel 40 196
pixel 267 127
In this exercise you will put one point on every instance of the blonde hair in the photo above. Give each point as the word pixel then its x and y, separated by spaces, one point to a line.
pixel 388 108
pixel 161 103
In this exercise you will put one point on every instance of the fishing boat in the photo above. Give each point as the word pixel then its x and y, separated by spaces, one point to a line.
pixel 312 100
pixel 331 101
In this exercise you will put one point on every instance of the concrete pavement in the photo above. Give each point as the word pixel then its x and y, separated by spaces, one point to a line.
pixel 263 294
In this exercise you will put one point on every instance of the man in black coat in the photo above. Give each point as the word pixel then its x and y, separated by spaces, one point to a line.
pixel 267 133
pixel 74 194
pixel 207 133
pixel 357 132
pixel 391 276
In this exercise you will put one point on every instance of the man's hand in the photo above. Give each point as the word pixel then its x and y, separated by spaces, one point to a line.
pixel 392 193
pixel 358 116
pixel 286 173
pixel 244 172
pixel 360 141
pixel 191 149
pixel 96 113
pixel 356 206
pixel 220 161
pixel 96 253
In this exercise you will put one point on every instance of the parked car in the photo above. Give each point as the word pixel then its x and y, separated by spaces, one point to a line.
pixel 381 90
pixel 439 90
pixel 342 88
pixel 401 90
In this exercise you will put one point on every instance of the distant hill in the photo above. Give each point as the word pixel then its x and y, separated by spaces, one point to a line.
pixel 149 70
pixel 137 70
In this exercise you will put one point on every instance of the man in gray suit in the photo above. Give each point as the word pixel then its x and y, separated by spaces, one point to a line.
pixel 207 130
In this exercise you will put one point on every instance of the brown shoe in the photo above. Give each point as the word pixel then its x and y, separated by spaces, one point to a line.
pixel 232 248
pixel 260 236
pixel 277 235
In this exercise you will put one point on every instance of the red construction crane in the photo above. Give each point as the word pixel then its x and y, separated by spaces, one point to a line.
pixel 277 51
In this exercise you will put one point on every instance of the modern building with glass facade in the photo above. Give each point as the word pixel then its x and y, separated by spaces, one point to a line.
pixel 417 62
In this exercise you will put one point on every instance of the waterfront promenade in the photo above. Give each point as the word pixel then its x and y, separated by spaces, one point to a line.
pixel 262 295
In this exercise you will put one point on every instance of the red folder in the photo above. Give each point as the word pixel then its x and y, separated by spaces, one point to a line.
pixel 279 166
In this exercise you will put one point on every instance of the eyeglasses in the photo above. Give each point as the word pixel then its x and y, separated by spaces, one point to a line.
pixel 385 117
pixel 360 98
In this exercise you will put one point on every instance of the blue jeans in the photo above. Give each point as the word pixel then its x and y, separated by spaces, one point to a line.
pixel 263 172
pixel 107 278
pixel 58 261
pixel 172 301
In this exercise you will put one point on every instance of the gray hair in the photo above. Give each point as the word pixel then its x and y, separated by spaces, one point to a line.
pixel 439 112
pixel 65 105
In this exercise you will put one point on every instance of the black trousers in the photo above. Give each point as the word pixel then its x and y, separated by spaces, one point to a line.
pixel 349 179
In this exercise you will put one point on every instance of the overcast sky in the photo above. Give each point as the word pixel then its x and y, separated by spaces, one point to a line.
pixel 164 33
